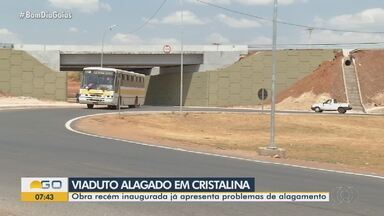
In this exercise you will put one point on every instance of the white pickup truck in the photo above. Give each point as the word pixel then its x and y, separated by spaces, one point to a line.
pixel 331 105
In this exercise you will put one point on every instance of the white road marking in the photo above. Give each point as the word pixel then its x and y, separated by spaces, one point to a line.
pixel 68 126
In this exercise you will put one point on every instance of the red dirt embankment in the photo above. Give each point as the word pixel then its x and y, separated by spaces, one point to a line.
pixel 73 84
pixel 327 79
pixel 2 94
pixel 370 68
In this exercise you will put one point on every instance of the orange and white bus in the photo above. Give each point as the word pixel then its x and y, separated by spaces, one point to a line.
pixel 112 87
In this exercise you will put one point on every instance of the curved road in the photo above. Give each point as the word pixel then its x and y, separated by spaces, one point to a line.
pixel 35 142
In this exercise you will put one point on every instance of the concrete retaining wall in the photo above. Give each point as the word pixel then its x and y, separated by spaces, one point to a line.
pixel 237 84
pixel 23 75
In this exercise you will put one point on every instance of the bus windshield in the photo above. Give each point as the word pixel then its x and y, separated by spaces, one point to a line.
pixel 99 80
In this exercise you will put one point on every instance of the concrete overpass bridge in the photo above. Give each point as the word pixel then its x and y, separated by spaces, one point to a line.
pixel 146 59
pixel 34 70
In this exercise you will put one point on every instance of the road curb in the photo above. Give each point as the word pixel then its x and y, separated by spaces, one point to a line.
pixel 34 107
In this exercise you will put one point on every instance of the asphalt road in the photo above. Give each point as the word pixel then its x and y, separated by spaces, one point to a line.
pixel 35 142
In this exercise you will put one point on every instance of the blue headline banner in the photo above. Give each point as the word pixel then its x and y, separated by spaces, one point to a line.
pixel 162 184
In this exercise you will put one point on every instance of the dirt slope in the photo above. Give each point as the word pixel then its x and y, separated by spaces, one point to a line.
pixel 370 67
pixel 327 80
pixel 73 84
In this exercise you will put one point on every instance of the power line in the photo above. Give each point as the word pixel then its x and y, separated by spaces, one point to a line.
pixel 318 44
pixel 285 22
pixel 150 18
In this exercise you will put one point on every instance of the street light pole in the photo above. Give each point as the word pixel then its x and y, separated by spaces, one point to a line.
pixel 102 43
pixel 310 30
pixel 272 144
pixel 181 56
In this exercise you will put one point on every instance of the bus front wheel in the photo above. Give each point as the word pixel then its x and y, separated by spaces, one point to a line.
pixel 137 105
pixel 90 106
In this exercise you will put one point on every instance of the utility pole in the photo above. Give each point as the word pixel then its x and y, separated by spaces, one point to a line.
pixel 310 30
pixel 181 56
pixel 272 144
pixel 272 149
pixel 102 43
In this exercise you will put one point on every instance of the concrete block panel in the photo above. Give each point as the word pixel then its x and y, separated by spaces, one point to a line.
pixel 60 95
pixel 27 65
pixel 292 54
pixel 38 92
pixel 49 77
pixel 24 75
pixel 4 86
pixel 16 82
pixel 17 59
pixel 223 94
pixel 27 89
pixel 213 76
pixel 61 83
pixel 5 53
pixel 234 88
pixel 246 94
pixel 223 84
pixel 5 75
pixel 38 82
pixel 246 73
pixel 234 99
pixel 247 83
pixel 50 88
pixel 212 99
pixel 16 71
pixel 281 76
pixel 213 87
pixel 234 76
pixel 49 96
pixel 26 56
pixel 40 70
pixel 5 65
pixel 59 74
pixel 27 76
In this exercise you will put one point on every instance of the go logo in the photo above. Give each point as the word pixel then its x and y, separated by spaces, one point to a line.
pixel 46 184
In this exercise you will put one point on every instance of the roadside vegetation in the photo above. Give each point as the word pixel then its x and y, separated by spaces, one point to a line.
pixel 351 142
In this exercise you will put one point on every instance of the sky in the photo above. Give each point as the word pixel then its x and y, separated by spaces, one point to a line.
pixel 86 21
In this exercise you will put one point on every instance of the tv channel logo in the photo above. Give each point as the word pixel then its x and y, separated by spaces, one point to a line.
pixel 44 184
